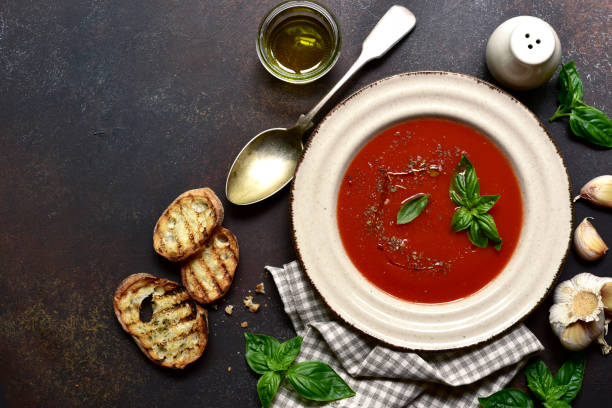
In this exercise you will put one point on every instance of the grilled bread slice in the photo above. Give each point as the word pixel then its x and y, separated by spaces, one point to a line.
pixel 208 275
pixel 187 223
pixel 177 333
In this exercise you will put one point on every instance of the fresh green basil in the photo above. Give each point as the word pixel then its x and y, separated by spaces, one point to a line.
pixel 317 381
pixel 311 379
pixel 465 183
pixel 412 208
pixel 487 226
pixel 507 398
pixel 571 374
pixel 476 235
pixel 556 404
pixel 591 124
pixel 586 122
pixel 539 379
pixel 570 85
pixel 472 214
pixel 259 351
pixel 456 198
pixel 462 219
pixel 285 354
pixel 486 203
pixel 258 362
pixel 267 386
pixel 260 343
pixel 554 392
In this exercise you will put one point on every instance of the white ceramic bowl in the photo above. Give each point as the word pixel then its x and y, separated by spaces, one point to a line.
pixel 547 220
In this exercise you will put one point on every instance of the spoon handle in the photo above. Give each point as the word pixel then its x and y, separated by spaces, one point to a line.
pixel 395 24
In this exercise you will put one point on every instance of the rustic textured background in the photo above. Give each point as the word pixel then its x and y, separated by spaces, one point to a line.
pixel 109 109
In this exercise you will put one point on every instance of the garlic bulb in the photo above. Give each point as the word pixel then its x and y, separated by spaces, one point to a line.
pixel 587 242
pixel 578 316
pixel 598 191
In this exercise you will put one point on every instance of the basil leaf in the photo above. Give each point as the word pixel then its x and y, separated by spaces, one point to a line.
pixel 507 398
pixel 258 362
pixel 571 374
pixel 472 185
pixel 465 183
pixel 556 404
pixel 317 381
pixel 259 350
pixel 591 124
pixel 267 386
pixel 476 236
pixel 261 343
pixel 412 208
pixel 462 219
pixel 488 228
pixel 285 354
pixel 570 86
pixel 556 392
pixel 458 184
pixel 539 379
pixel 456 198
pixel 486 203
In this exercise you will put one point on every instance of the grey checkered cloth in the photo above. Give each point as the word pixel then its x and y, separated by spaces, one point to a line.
pixel 387 378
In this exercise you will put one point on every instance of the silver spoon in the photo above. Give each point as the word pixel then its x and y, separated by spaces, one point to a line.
pixel 267 163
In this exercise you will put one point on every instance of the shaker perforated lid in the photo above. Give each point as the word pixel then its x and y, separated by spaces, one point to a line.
pixel 533 41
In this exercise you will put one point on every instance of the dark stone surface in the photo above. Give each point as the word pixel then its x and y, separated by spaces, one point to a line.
pixel 109 109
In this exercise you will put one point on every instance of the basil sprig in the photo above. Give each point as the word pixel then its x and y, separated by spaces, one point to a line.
pixel 313 380
pixel 554 392
pixel 412 208
pixel 472 214
pixel 585 121
pixel 507 398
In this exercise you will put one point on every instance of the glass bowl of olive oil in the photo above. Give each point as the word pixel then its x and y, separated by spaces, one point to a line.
pixel 299 41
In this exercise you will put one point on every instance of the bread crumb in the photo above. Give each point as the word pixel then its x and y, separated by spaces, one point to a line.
pixel 229 309
pixel 248 302
pixel 259 288
pixel 244 324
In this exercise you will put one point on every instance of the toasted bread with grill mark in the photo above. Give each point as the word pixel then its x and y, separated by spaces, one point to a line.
pixel 177 333
pixel 208 274
pixel 185 226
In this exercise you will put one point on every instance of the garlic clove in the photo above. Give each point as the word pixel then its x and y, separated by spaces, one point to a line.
pixel 587 242
pixel 565 292
pixel 578 335
pixel 606 294
pixel 606 299
pixel 561 313
pixel 598 191
pixel 587 281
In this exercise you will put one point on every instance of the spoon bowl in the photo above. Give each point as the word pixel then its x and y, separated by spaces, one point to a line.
pixel 264 166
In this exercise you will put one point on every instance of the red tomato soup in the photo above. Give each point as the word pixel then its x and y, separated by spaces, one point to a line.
pixel 424 260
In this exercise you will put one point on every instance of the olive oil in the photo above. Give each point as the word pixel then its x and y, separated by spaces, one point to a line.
pixel 298 41
pixel 300 44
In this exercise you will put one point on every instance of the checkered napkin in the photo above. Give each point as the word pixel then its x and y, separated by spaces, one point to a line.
pixel 388 378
